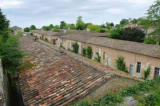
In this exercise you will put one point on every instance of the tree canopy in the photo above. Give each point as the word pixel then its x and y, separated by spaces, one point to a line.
pixel 10 52
pixel 80 25
pixel 133 34
pixel 33 27
pixel 4 23
pixel 62 24
pixel 154 12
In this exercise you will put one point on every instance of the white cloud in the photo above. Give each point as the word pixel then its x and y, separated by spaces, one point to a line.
pixel 9 4
pixel 140 2
pixel 115 10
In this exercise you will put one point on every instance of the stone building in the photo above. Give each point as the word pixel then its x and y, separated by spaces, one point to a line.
pixel 16 29
pixel 138 56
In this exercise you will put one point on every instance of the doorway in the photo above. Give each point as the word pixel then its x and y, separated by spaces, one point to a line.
pixel 131 69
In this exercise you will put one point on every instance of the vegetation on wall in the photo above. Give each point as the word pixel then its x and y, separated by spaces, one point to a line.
pixel 120 64
pixel 147 72
pixel 84 52
pixel 89 52
pixel 98 57
pixel 75 47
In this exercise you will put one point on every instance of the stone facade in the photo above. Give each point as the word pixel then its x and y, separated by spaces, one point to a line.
pixel 3 87
pixel 136 63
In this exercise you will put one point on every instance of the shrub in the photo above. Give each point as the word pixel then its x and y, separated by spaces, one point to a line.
pixel 152 100
pixel 75 47
pixel 84 52
pixel 116 33
pixel 56 30
pixel 102 30
pixel 98 58
pixel 121 65
pixel 84 103
pixel 152 40
pixel 110 99
pixel 25 66
pixel 149 40
pixel 133 34
pixel 147 72
pixel 89 52
pixel 130 91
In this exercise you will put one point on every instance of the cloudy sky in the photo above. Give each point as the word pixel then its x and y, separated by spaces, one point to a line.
pixel 44 12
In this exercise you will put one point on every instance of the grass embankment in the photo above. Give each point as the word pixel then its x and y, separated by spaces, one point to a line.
pixel 146 93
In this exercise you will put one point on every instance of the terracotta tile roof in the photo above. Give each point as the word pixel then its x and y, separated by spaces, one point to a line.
pixel 56 78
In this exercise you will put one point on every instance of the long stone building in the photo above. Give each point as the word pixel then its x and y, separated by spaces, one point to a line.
pixel 138 56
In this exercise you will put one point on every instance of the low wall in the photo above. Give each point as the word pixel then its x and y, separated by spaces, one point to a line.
pixel 3 87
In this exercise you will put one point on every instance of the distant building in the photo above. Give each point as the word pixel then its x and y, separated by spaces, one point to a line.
pixel 138 56
pixel 16 29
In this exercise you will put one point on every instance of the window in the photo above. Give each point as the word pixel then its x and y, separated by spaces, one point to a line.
pixel 104 55
pixel 95 52
pixel 157 72
pixel 138 67
pixel 109 61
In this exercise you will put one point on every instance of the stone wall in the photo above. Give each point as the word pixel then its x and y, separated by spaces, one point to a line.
pixel 3 87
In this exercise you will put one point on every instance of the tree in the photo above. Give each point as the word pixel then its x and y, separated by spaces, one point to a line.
pixel 46 28
pixel 154 12
pixel 51 26
pixel 32 27
pixel 124 22
pixel 80 25
pixel 26 29
pixel 116 33
pixel 62 24
pixel 112 24
pixel 133 34
pixel 11 54
pixel 72 26
pixel 10 51
pixel 145 22
pixel 4 23
pixel 95 28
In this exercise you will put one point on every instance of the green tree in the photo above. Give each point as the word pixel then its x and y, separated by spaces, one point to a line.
pixel 46 28
pixel 26 29
pixel 51 26
pixel 72 26
pixel 95 28
pixel 133 34
pixel 4 23
pixel 124 22
pixel 9 48
pixel 145 22
pixel 80 25
pixel 154 12
pixel 32 27
pixel 116 33
pixel 11 54
pixel 62 24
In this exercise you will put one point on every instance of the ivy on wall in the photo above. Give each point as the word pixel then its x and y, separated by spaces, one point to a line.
pixel 120 64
